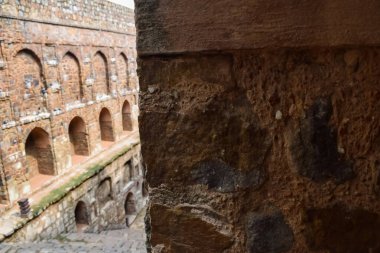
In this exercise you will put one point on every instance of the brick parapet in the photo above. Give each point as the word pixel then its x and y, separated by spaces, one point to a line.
pixel 94 14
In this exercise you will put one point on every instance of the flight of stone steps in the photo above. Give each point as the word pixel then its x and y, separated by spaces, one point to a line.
pixel 124 240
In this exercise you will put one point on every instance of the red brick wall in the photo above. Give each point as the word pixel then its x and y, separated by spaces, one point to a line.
pixel 45 47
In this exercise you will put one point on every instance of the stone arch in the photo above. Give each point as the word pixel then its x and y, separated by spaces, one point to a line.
pixel 71 78
pixel 105 122
pixel 130 207
pixel 128 171
pixel 127 117
pixel 100 73
pixel 78 137
pixel 81 216
pixel 39 155
pixel 122 69
pixel 104 192
pixel 28 74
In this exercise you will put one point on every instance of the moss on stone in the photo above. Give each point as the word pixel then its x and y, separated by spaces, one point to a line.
pixel 57 194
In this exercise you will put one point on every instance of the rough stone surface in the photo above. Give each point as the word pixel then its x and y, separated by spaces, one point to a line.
pixel 340 229
pixel 214 76
pixel 315 147
pixel 188 232
pixel 165 26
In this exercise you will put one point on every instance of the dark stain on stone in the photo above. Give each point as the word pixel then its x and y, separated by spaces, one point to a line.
pixel 220 177
pixel 342 230
pixel 225 153
pixel 216 174
pixel 314 147
pixel 268 232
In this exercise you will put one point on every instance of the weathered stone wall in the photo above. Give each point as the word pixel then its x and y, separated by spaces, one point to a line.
pixel 96 14
pixel 260 125
pixel 101 212
pixel 58 61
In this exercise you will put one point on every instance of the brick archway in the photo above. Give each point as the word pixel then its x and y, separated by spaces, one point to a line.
pixel 78 137
pixel 106 128
pixel 39 155
pixel 127 117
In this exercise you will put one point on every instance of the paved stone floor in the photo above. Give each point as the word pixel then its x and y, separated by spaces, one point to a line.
pixel 128 240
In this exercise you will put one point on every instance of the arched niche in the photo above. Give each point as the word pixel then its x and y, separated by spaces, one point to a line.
pixel 128 171
pixel 78 137
pixel 100 73
pixel 39 155
pixel 106 128
pixel 130 204
pixel 81 216
pixel 104 192
pixel 71 78
pixel 127 117
pixel 30 87
pixel 122 69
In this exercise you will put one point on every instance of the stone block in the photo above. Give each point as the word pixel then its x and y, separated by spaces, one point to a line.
pixel 268 232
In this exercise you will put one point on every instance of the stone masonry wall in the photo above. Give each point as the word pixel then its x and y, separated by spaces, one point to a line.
pixel 54 67
pixel 267 116
pixel 96 14
pixel 101 213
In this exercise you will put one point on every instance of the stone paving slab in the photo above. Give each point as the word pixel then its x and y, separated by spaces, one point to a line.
pixel 127 240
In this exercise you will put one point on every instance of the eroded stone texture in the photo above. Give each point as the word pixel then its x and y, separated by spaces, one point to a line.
pixel 189 233
pixel 215 137
pixel 341 229
pixel 315 148
pixel 289 121
pixel 220 177
pixel 235 138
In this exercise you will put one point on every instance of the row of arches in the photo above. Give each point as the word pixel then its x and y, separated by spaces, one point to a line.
pixel 38 150
pixel 28 72
pixel 82 217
